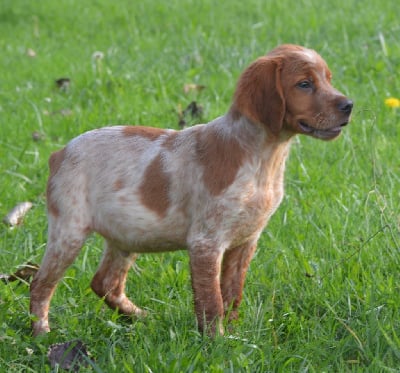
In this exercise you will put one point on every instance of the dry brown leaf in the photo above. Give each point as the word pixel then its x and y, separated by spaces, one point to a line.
pixel 24 273
pixel 63 83
pixel 181 119
pixel 37 136
pixel 193 110
pixel 69 355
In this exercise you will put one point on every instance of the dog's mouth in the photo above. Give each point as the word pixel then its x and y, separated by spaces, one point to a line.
pixel 321 133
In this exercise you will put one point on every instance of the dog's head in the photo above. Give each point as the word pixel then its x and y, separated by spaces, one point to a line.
pixel 290 89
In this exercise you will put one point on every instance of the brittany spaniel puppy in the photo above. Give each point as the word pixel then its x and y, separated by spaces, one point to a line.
pixel 209 189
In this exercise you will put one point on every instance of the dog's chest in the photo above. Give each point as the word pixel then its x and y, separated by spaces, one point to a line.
pixel 242 213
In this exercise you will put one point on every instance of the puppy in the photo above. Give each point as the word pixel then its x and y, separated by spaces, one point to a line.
pixel 209 189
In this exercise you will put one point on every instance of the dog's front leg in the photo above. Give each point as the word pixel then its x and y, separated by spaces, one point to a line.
pixel 205 264
pixel 234 267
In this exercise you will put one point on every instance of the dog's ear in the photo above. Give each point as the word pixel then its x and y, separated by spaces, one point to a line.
pixel 259 94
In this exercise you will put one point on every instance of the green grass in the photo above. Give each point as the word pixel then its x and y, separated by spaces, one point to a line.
pixel 322 294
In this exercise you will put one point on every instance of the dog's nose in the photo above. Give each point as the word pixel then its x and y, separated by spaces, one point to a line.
pixel 345 106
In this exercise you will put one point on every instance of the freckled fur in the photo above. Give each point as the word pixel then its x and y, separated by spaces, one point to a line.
pixel 210 189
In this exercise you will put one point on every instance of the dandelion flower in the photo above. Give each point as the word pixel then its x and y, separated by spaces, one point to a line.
pixel 98 55
pixel 392 102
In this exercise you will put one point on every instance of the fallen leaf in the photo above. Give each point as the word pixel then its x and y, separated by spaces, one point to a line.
pixel 16 215
pixel 193 87
pixel 24 273
pixel 181 119
pixel 193 110
pixel 63 83
pixel 181 123
pixel 69 355
pixel 30 53
pixel 37 136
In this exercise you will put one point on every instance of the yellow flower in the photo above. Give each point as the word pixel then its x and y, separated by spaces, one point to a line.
pixel 392 102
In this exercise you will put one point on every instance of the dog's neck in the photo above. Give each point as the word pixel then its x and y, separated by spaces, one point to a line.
pixel 263 150
pixel 255 138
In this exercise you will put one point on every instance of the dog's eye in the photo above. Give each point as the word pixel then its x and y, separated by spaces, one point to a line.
pixel 305 84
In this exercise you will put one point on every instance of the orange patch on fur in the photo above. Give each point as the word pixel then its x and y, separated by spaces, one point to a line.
pixel 221 159
pixel 259 95
pixel 55 162
pixel 118 185
pixel 150 133
pixel 154 188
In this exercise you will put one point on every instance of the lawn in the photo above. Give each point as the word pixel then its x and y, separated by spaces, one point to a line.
pixel 323 291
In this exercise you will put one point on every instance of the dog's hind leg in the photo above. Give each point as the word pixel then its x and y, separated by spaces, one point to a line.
pixel 110 278
pixel 62 248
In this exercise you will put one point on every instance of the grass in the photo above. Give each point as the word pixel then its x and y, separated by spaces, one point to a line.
pixel 322 293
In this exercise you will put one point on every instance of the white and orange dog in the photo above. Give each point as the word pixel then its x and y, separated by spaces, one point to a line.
pixel 210 189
